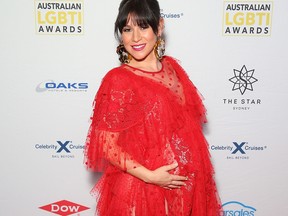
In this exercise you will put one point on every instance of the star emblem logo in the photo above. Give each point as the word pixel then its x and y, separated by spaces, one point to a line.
pixel 243 80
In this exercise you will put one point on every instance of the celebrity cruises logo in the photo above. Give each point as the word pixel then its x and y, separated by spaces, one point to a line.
pixel 60 149
pixel 64 208
pixel 171 15
pixel 239 150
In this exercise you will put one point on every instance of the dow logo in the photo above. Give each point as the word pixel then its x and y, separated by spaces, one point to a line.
pixel 64 208
pixel 243 80
pixel 235 208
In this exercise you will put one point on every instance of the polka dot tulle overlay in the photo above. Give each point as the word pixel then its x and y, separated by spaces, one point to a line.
pixel 150 119
pixel 166 77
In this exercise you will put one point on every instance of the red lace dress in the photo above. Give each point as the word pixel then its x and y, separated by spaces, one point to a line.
pixel 150 119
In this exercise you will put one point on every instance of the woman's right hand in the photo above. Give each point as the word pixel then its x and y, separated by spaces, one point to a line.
pixel 163 178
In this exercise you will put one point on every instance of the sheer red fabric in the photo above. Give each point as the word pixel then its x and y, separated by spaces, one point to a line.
pixel 152 119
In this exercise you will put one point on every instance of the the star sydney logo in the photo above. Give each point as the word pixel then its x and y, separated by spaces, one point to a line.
pixel 243 80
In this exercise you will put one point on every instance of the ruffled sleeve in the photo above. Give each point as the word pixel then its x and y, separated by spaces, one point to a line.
pixel 116 109
pixel 193 97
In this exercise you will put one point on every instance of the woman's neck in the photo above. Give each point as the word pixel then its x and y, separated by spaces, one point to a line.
pixel 151 65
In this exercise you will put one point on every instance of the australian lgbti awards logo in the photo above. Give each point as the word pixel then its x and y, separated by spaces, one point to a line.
pixel 242 83
pixel 247 18
pixel 64 208
pixel 60 149
pixel 239 150
pixel 234 208
pixel 59 17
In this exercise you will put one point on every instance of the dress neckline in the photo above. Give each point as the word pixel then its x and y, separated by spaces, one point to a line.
pixel 145 71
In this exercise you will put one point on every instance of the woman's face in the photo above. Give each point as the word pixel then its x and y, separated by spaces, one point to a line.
pixel 139 41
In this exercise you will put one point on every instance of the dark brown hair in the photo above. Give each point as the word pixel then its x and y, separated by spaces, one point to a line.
pixel 143 12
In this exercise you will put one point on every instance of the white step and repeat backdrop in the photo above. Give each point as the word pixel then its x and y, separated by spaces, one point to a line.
pixel 53 54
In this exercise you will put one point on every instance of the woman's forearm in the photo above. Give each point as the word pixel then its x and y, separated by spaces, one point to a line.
pixel 121 159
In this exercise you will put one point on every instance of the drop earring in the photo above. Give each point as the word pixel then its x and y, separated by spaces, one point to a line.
pixel 159 48
pixel 124 56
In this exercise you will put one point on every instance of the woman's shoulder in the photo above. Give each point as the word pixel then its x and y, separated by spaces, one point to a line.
pixel 118 77
pixel 170 59
pixel 115 72
pixel 175 64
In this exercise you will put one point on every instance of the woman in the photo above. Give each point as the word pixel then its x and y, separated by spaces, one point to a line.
pixel 146 128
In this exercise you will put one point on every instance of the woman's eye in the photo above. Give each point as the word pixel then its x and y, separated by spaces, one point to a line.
pixel 144 27
pixel 126 29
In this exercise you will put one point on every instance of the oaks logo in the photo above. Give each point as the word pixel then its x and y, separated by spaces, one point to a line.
pixel 62 86
pixel 64 208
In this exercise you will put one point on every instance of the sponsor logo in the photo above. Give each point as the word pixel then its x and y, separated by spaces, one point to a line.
pixel 238 150
pixel 52 86
pixel 60 149
pixel 235 208
pixel 59 17
pixel 170 15
pixel 243 81
pixel 64 208
pixel 249 18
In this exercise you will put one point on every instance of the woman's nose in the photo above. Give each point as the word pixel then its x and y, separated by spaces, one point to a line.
pixel 136 35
